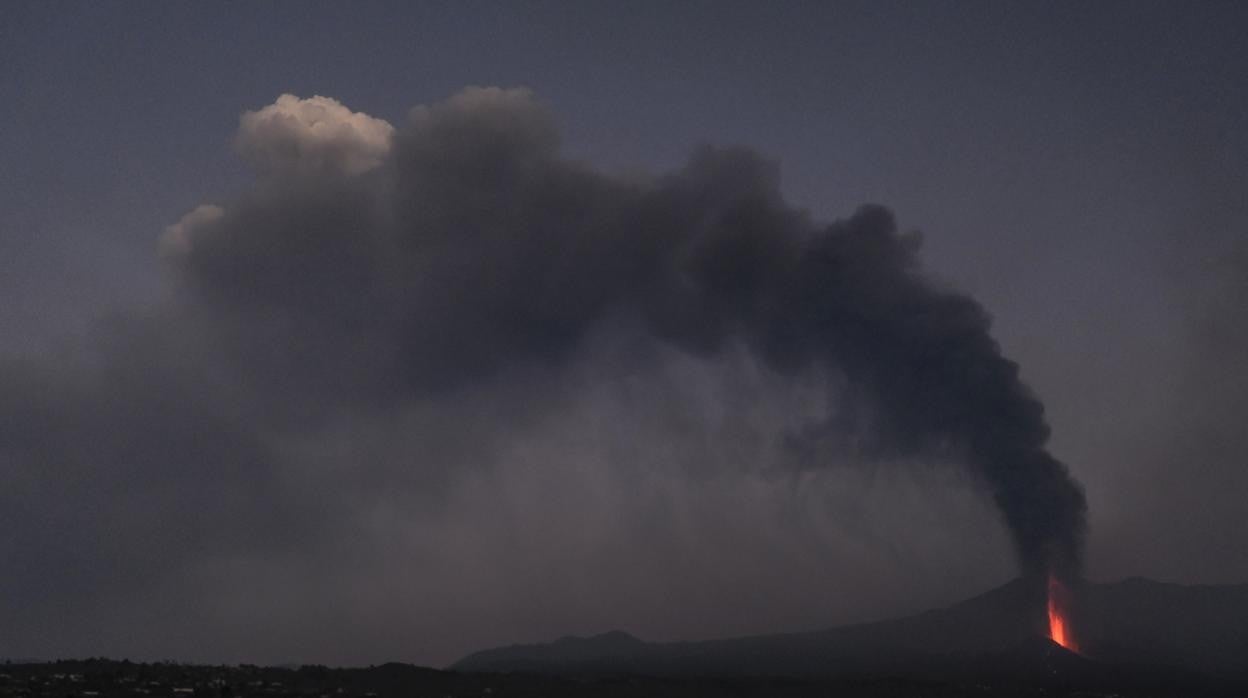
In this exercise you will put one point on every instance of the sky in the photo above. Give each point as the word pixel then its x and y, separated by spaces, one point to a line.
pixel 519 341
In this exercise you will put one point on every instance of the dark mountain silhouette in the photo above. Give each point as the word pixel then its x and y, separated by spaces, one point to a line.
pixel 1138 628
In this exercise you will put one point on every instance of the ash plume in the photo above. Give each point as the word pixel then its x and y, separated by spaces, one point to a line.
pixel 472 246
pixel 372 270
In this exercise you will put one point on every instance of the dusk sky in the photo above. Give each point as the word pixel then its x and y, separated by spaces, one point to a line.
pixel 355 332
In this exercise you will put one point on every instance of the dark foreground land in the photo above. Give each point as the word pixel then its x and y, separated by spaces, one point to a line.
pixel 1138 639
pixel 100 678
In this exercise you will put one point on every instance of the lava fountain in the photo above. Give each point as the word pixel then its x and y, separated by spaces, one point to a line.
pixel 1059 615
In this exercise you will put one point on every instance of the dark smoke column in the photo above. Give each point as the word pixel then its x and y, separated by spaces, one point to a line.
pixel 406 263
pixel 923 374
pixel 927 357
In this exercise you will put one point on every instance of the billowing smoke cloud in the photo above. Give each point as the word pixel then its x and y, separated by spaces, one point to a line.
pixel 476 247
pixel 372 272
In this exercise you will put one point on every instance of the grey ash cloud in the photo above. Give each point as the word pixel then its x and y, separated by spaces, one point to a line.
pixel 476 247
pixel 389 311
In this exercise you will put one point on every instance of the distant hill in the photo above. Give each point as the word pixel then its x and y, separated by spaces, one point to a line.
pixel 1144 628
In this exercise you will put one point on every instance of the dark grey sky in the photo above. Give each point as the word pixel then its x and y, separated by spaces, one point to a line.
pixel 1081 171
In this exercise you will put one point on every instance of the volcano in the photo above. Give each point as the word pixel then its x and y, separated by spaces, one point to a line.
pixel 1147 630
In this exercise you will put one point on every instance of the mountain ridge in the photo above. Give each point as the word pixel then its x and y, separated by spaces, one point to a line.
pixel 1135 621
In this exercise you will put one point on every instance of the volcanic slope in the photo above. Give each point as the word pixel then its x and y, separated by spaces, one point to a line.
pixel 1145 628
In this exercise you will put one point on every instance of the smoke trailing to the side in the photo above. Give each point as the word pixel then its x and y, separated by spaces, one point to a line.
pixel 461 244
pixel 373 273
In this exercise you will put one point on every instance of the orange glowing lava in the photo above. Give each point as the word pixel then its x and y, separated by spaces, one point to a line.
pixel 1059 622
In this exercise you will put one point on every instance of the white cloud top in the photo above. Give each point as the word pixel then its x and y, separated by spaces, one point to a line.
pixel 309 136
pixel 179 237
